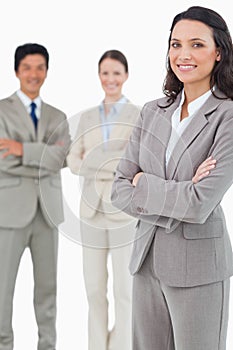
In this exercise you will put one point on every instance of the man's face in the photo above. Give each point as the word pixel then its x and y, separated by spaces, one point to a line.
pixel 31 73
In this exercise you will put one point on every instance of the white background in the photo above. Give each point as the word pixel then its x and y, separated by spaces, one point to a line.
pixel 76 33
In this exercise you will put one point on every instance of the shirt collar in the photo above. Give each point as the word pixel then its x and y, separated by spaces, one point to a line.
pixel 116 107
pixel 197 103
pixel 27 101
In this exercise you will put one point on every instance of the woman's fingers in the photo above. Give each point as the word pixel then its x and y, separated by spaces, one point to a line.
pixel 204 169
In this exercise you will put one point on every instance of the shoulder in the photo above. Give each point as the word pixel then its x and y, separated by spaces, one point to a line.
pixel 156 104
pixel 154 109
pixel 218 108
pixel 130 111
pixel 133 108
pixel 9 99
pixel 10 105
pixel 224 111
pixel 53 111
pixel 90 112
pixel 85 119
pixel 89 116
pixel 4 101
pixel 52 108
pixel 226 105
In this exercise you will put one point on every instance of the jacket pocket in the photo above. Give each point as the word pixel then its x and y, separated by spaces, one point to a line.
pixel 10 182
pixel 210 229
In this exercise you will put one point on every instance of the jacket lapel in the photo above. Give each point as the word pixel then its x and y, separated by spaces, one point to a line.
pixel 23 114
pixel 43 122
pixel 189 134
pixel 122 123
pixel 195 127
pixel 95 124
pixel 158 134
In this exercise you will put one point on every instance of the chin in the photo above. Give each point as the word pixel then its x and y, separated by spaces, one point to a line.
pixel 112 92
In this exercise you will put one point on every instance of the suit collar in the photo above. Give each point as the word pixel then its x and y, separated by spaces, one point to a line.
pixel 196 125
pixel 117 106
pixel 27 101
pixel 21 110
pixel 157 127
pixel 160 130
pixel 123 119
pixel 44 120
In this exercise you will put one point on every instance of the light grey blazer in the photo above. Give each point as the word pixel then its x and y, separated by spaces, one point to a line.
pixel 185 220
pixel 35 177
pixel 97 165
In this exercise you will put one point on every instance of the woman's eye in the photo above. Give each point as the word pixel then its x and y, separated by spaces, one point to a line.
pixel 175 45
pixel 197 45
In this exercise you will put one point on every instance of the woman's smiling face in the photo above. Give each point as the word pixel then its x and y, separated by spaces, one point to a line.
pixel 193 52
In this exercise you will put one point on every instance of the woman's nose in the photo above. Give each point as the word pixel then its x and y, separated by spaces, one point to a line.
pixel 185 54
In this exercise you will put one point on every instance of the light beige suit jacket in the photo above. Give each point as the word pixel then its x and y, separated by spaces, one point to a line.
pixel 89 158
pixel 35 177
pixel 185 220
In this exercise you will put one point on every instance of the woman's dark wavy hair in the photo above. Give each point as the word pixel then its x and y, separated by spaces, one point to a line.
pixel 222 74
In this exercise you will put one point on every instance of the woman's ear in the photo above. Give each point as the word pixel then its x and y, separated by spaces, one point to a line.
pixel 218 55
pixel 126 76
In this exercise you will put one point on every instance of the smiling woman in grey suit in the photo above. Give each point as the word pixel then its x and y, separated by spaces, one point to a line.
pixel 182 256
pixel 102 134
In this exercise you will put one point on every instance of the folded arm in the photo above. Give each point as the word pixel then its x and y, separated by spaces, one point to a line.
pixel 189 201
pixel 96 161
pixel 33 159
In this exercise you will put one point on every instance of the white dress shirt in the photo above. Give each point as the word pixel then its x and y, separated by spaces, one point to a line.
pixel 178 126
pixel 27 102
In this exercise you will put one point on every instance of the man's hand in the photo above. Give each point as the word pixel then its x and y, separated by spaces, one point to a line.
pixel 11 147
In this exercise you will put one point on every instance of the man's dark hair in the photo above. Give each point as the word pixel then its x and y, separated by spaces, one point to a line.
pixel 30 49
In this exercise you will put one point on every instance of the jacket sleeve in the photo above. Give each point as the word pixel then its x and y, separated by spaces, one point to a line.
pixel 123 192
pixel 39 158
pixel 95 162
pixel 179 200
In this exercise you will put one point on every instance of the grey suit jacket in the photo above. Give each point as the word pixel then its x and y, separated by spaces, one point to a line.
pixel 185 220
pixel 34 177
pixel 89 158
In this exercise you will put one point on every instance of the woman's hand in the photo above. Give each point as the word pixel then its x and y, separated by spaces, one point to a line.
pixel 204 169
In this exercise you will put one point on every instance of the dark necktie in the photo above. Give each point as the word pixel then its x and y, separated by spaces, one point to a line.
pixel 33 114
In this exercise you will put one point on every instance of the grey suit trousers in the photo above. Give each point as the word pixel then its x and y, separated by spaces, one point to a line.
pixel 175 318
pixel 42 241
